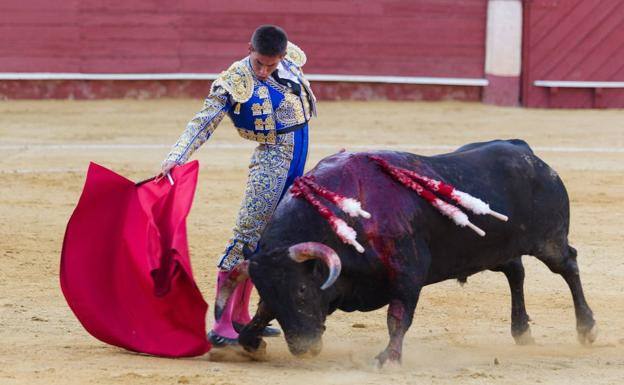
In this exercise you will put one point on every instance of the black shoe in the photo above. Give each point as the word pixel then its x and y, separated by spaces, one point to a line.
pixel 218 341
pixel 271 332
pixel 267 332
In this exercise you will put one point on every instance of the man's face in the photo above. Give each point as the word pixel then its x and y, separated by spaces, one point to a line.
pixel 263 65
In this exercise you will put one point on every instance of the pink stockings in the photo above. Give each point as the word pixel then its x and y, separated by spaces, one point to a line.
pixel 235 310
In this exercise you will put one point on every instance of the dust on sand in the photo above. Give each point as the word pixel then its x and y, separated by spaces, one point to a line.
pixel 460 335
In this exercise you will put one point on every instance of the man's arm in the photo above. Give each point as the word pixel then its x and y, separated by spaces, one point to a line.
pixel 199 129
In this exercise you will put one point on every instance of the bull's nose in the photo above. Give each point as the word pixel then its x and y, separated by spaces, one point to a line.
pixel 296 350
pixel 306 347
pixel 316 348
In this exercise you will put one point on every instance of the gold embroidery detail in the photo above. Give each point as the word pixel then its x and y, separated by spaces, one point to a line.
pixel 267 124
pixel 263 92
pixel 256 109
pixel 290 111
pixel 237 81
pixel 197 131
pixel 237 109
pixel 307 108
pixel 295 54
pixel 267 107
pixel 268 138
pixel 310 99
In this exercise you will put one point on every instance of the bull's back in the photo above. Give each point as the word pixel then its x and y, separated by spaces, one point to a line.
pixel 512 180
pixel 505 174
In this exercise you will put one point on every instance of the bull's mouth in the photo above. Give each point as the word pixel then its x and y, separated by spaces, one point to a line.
pixel 303 346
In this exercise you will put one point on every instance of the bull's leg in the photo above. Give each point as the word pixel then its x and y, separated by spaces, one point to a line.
pixel 250 337
pixel 400 315
pixel 565 264
pixel 405 289
pixel 520 330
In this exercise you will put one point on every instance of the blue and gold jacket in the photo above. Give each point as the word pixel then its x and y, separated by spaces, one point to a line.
pixel 259 109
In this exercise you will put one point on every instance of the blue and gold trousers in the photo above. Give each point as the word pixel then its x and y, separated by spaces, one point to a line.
pixel 273 169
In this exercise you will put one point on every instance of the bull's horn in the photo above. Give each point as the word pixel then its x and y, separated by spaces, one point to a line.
pixel 310 250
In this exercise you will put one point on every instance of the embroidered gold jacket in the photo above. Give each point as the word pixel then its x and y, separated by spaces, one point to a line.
pixel 259 109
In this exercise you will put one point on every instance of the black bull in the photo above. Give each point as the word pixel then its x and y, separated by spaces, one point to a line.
pixel 408 244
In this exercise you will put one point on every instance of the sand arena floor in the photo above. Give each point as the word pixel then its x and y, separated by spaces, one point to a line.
pixel 458 333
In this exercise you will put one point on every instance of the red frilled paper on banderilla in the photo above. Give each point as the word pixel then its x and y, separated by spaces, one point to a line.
pixel 125 266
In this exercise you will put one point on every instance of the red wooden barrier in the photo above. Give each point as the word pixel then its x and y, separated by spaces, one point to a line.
pixel 432 38
pixel 573 40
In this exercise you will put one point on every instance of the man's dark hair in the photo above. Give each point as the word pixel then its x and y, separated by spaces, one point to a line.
pixel 269 40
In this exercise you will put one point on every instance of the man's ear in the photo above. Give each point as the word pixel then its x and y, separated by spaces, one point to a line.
pixel 251 48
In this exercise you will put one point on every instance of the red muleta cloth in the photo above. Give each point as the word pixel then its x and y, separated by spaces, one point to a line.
pixel 125 267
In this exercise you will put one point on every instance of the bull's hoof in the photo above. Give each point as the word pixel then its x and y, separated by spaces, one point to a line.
pixel 587 336
pixel 388 359
pixel 250 341
pixel 252 345
pixel 524 338
pixel 260 354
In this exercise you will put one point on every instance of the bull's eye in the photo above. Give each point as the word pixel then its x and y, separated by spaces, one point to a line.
pixel 302 290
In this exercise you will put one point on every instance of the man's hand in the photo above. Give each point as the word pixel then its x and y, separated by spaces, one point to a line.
pixel 165 169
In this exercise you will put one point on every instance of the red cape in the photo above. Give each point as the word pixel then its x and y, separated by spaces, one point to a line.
pixel 125 267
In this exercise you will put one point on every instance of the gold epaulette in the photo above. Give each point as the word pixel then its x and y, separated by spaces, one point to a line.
pixel 237 81
pixel 295 54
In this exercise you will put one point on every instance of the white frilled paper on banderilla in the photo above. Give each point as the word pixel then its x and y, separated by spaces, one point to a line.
pixel 306 188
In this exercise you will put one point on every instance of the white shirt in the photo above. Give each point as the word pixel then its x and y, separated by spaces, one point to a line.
pixel 284 73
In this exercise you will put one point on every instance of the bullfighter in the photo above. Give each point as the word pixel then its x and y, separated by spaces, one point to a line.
pixel 270 102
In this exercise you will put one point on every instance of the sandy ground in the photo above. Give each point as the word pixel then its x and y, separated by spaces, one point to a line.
pixel 458 333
